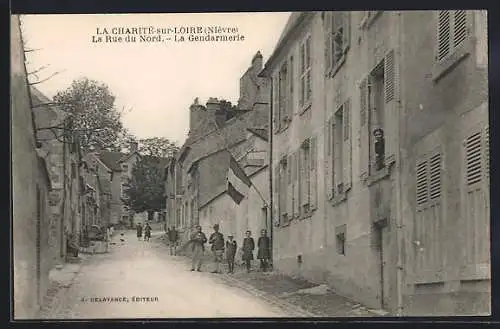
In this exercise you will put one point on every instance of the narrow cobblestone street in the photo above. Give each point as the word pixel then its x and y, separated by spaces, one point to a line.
pixel 136 269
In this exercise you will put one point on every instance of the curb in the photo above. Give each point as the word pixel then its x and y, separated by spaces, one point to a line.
pixel 58 300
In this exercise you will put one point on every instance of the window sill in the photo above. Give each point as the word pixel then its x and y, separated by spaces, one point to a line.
pixel 439 69
pixel 305 108
pixel 339 198
pixel 380 174
pixel 333 71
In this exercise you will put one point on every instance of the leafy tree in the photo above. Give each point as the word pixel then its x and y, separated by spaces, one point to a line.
pixel 144 191
pixel 91 113
pixel 157 147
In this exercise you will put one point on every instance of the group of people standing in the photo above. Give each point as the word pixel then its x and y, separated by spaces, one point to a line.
pixel 147 231
pixel 219 246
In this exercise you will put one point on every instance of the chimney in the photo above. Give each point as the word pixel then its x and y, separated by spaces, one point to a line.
pixel 196 115
pixel 213 104
pixel 257 62
pixel 133 146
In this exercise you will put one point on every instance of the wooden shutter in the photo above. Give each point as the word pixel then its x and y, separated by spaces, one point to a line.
pixel 473 159
pixel 276 183
pixel 422 183
pixel 460 29
pixel 346 157
pixel 364 139
pixel 487 153
pixel 435 177
pixel 302 61
pixel 328 43
pixel 296 198
pixel 328 159
pixel 443 34
pixel 276 109
pixel 308 63
pixel 304 197
pixel 289 189
pixel 347 31
pixel 389 77
pixel 313 191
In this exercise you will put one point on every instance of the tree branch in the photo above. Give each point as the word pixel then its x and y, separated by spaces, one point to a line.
pixel 38 82
pixel 38 70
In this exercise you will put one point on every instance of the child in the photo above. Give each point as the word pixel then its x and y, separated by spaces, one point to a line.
pixel 231 248
pixel 248 248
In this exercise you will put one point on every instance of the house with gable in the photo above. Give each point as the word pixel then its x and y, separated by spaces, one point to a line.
pixel 216 132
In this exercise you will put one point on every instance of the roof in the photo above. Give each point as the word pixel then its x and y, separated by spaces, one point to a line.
pixel 111 159
pixel 260 132
pixel 232 133
pixel 213 176
pixel 295 20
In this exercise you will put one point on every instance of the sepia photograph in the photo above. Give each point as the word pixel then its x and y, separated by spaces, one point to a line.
pixel 319 164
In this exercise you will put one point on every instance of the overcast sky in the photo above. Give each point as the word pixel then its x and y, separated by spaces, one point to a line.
pixel 157 80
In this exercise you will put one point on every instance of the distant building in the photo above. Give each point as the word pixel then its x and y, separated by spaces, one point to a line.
pixel 380 157
pixel 196 177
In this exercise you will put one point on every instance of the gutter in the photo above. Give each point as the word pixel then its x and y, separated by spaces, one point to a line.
pixel 270 221
pixel 399 219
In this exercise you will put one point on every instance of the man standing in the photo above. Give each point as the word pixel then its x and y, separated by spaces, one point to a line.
pixel 198 240
pixel 264 252
pixel 139 231
pixel 231 247
pixel 217 242
pixel 173 237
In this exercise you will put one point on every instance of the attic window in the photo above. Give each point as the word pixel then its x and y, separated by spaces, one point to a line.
pixel 125 166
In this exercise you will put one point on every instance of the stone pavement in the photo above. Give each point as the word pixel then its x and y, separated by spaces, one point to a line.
pixel 309 299
pixel 138 279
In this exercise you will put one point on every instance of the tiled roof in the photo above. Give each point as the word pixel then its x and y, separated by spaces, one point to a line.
pixel 233 132
pixel 213 176
pixel 111 159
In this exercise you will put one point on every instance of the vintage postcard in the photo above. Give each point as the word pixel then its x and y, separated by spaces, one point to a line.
pixel 250 165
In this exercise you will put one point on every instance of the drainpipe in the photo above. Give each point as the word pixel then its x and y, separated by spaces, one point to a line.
pixel 399 215
pixel 271 171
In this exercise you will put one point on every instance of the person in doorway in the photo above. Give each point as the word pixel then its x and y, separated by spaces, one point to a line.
pixel 139 231
pixel 217 241
pixel 147 232
pixel 198 240
pixel 173 238
pixel 264 250
pixel 231 247
pixel 248 248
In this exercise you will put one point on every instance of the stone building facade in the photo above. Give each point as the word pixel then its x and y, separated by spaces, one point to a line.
pixel 368 109
pixel 31 186
pixel 214 128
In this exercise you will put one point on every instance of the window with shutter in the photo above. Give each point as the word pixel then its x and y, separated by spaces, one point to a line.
pixel 283 192
pixel 328 158
pixel 429 217
pixel 289 189
pixel 476 204
pixel 276 111
pixel 347 159
pixel 313 174
pixel 283 94
pixel 305 73
pixel 338 146
pixel 452 31
pixel 337 39
pixel 291 77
